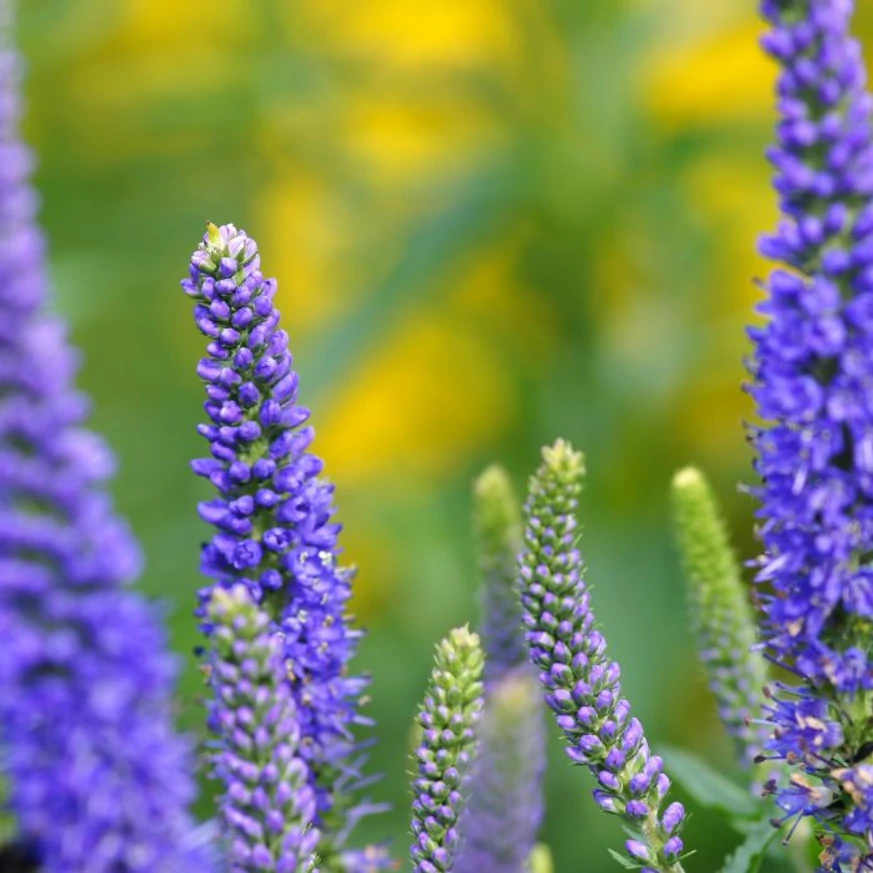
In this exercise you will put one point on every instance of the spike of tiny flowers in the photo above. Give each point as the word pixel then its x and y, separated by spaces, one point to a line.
pixel 811 373
pixel 98 779
pixel 447 719
pixel 497 524
pixel 500 825
pixel 721 614
pixel 268 805
pixel 272 516
pixel 503 817
pixel 581 682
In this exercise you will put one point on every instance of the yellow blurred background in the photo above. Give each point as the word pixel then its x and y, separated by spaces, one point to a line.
pixel 493 222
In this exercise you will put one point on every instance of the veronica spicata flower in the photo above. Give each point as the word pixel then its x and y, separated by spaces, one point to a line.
pixel 581 682
pixel 98 781
pixel 443 759
pixel 812 367
pixel 274 532
pixel 721 614
pixel 505 810
pixel 268 805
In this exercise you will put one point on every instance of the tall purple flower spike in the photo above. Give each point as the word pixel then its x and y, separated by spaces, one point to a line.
pixel 581 682
pixel 812 370
pixel 272 515
pixel 98 781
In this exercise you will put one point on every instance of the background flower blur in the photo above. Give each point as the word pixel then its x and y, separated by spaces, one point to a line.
pixel 493 222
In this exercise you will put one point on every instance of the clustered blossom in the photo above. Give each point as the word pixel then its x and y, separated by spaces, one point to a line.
pixel 268 806
pixel 98 781
pixel 582 684
pixel 811 375
pixel 448 719
pixel 720 613
pixel 273 514
pixel 505 810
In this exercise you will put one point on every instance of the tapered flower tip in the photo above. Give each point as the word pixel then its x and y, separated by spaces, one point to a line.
pixel 564 461
pixel 224 251
pixel 687 480
pixel 497 513
pixel 493 486
pixel 540 860
pixel 460 643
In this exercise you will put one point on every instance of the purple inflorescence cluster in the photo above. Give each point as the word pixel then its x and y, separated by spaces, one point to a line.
pixel 582 683
pixel 273 514
pixel 812 373
pixel 99 782
pixel 268 805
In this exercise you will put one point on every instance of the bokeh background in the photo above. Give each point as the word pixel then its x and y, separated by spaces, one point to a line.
pixel 493 222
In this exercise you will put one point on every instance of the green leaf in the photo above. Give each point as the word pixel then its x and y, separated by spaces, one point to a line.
pixel 748 857
pixel 624 861
pixel 708 787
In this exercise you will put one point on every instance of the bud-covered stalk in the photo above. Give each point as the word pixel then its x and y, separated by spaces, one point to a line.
pixel 273 513
pixel 721 614
pixel 581 682
pixel 268 805
pixel 505 811
pixel 448 719
pixel 498 527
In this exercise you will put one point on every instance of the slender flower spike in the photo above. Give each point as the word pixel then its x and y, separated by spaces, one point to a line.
pixel 272 515
pixel 812 368
pixel 501 822
pixel 720 611
pixel 582 684
pixel 500 825
pixel 98 780
pixel 497 522
pixel 268 806
pixel 448 719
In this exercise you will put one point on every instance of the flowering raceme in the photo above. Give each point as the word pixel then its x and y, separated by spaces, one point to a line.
pixel 274 533
pixel 444 757
pixel 720 613
pixel 811 374
pixel 505 810
pixel 99 782
pixel 269 805
pixel 582 684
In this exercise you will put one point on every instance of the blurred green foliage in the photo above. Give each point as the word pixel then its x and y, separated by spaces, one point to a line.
pixel 493 222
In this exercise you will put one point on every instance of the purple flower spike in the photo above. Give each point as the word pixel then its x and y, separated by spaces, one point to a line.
pixel 98 780
pixel 582 684
pixel 272 514
pixel 268 806
pixel 505 811
pixel 448 719
pixel 812 369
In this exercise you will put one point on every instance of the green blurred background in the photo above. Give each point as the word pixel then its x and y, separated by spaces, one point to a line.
pixel 493 222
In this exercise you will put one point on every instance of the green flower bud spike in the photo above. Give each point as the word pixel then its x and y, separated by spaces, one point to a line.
pixel 721 614
pixel 448 719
